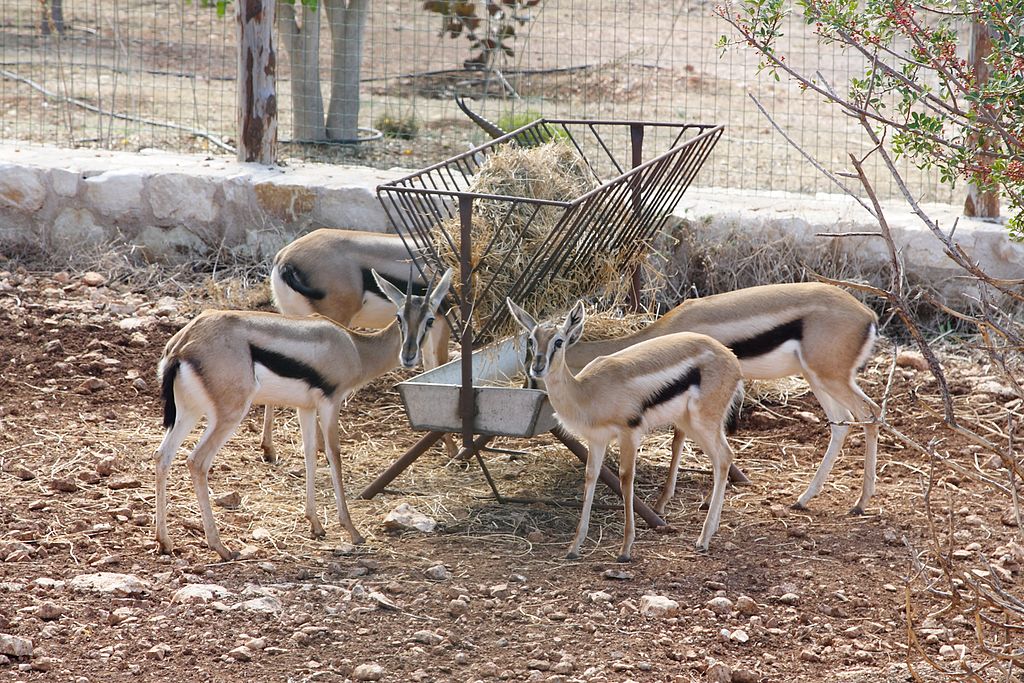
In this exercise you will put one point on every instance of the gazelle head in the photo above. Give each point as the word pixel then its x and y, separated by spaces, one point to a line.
pixel 415 314
pixel 548 341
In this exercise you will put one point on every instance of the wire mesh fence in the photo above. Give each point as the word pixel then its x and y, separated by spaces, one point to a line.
pixel 131 74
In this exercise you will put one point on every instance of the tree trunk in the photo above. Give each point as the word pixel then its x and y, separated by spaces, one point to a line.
pixel 347 28
pixel 980 202
pixel 257 94
pixel 53 17
pixel 303 46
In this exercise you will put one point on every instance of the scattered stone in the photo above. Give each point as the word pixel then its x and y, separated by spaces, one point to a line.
pixel 123 483
pixel 536 536
pixel 428 637
pixel 458 607
pixel 267 604
pixel 745 676
pixel 808 417
pixel 49 611
pixel 406 517
pixel 739 636
pixel 658 606
pixel 261 534
pixel 200 592
pixel 241 654
pixel 718 672
pixel 15 646
pixel 747 606
pixel 499 591
pixel 92 385
pixel 22 472
pixel 617 575
pixel 229 501
pixel 63 484
pixel 368 672
pixel 438 572
pixel 789 598
pixel 538 665
pixel 93 279
pixel 912 360
pixel 158 652
pixel 599 597
pixel 43 663
pixel 126 585
pixel 719 605
pixel 809 656
pixel 383 601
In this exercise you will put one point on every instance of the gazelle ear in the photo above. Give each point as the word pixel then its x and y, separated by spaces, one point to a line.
pixel 441 291
pixel 572 328
pixel 393 293
pixel 524 319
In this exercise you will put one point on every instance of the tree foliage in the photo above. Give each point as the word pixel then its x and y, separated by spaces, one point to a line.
pixel 922 96
pixel 489 26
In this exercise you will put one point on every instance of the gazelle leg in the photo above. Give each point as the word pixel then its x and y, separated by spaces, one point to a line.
pixel 712 441
pixel 595 459
pixel 218 431
pixel 172 441
pixel 678 437
pixel 838 418
pixel 267 442
pixel 627 473
pixel 329 429
pixel 866 411
pixel 308 428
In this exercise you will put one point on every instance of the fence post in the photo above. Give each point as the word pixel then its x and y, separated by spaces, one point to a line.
pixel 257 93
pixel 980 202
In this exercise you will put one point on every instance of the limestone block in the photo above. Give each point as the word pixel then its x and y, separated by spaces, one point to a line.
pixel 288 203
pixel 64 182
pixel 75 230
pixel 170 245
pixel 354 208
pixel 183 198
pixel 115 192
pixel 21 188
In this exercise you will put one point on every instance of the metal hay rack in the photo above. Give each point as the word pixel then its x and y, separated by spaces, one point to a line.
pixel 632 200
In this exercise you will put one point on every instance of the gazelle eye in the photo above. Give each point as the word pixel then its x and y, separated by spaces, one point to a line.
pixel 529 343
pixel 430 323
pixel 558 343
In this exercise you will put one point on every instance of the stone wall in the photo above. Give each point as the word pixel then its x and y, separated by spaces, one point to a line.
pixel 172 208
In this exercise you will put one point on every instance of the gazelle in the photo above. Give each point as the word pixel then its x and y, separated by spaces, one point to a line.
pixel 686 380
pixel 327 272
pixel 222 362
pixel 812 329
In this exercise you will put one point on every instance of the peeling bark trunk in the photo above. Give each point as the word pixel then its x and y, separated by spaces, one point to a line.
pixel 980 202
pixel 348 22
pixel 302 43
pixel 257 94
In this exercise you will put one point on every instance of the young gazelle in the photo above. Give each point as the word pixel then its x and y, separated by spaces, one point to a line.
pixel 327 272
pixel 224 361
pixel 686 380
pixel 812 329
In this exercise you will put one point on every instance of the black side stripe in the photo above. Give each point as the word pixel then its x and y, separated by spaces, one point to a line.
pixel 667 393
pixel 289 367
pixel 370 285
pixel 768 341
pixel 167 393
pixel 294 278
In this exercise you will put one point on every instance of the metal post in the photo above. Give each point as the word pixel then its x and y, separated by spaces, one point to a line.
pixel 636 141
pixel 467 404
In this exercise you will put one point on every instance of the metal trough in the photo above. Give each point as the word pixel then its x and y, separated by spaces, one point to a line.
pixel 431 399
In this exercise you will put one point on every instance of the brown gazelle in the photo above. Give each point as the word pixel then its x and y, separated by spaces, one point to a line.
pixel 327 272
pixel 686 380
pixel 222 362
pixel 812 329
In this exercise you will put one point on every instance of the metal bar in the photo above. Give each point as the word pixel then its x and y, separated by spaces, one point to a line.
pixel 467 402
pixel 609 478
pixel 400 465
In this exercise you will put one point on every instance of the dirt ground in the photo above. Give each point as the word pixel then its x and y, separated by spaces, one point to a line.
pixel 782 595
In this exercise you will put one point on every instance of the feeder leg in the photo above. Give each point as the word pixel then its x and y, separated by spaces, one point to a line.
pixel 398 466
pixel 609 478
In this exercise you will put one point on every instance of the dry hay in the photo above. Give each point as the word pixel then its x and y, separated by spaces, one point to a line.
pixel 509 234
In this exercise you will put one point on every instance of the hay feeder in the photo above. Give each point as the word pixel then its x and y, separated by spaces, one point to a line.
pixel 629 201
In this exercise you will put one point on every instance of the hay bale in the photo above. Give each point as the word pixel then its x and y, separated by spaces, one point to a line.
pixel 508 234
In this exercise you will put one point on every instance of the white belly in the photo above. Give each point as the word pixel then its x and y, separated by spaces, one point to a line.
pixel 782 361
pixel 283 391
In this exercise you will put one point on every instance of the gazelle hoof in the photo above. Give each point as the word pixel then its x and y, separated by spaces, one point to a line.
pixel 624 558
pixel 856 511
pixel 572 555
pixel 798 506
pixel 317 532
pixel 270 456
pixel 701 547
pixel 358 540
